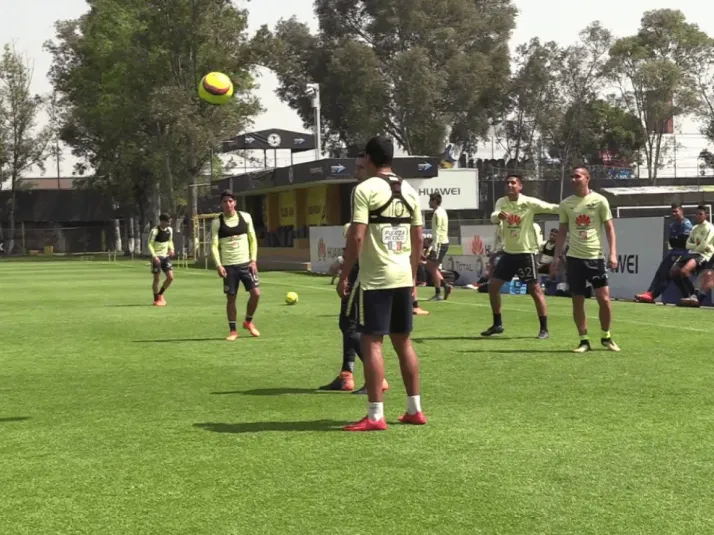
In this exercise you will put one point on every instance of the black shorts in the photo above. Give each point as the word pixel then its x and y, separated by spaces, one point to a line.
pixel 683 260
pixel 383 312
pixel 165 265
pixel 438 253
pixel 522 265
pixel 580 271
pixel 235 275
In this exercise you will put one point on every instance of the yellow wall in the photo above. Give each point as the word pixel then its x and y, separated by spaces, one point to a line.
pixel 315 206
pixel 288 209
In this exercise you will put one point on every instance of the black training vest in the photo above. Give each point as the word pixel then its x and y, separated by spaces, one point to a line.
pixel 549 251
pixel 377 216
pixel 224 231
pixel 162 236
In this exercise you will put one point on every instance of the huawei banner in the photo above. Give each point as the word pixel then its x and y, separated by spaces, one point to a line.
pixel 458 189
pixel 478 239
pixel 316 200
pixel 326 245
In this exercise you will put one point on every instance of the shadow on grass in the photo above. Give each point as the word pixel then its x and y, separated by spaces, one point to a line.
pixel 420 340
pixel 516 351
pixel 259 427
pixel 130 305
pixel 14 419
pixel 171 340
pixel 274 391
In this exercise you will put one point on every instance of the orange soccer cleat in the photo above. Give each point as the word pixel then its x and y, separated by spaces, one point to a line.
pixel 365 424
pixel 232 337
pixel 413 419
pixel 248 325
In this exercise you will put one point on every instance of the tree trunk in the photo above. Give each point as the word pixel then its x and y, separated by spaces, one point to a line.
pixel 117 237
pixel 11 240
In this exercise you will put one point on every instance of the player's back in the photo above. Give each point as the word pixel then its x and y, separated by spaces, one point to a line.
pixel 385 259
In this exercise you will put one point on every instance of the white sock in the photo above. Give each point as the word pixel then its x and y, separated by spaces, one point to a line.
pixel 413 404
pixel 375 411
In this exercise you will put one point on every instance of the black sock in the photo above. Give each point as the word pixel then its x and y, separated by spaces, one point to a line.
pixel 438 290
pixel 497 320
pixel 161 292
pixel 700 295
pixel 232 326
pixel 415 304
pixel 543 322
pixel 156 296
pixel 248 319
pixel 688 285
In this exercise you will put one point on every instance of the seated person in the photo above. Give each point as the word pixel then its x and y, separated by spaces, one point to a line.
pixel 547 253
pixel 700 245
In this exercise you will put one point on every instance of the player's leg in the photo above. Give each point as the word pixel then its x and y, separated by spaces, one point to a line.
pixel 375 309
pixel 435 260
pixel 401 325
pixel 168 270
pixel 350 344
pixel 503 271
pixel 528 273
pixel 230 288
pixel 417 310
pixel 156 274
pixel 577 281
pixel 251 283
pixel 599 281
pixel 659 281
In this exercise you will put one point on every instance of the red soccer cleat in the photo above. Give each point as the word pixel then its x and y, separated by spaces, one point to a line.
pixel 248 325
pixel 365 424
pixel 413 419
pixel 645 297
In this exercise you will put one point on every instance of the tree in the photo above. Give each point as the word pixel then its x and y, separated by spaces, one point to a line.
pixel 127 74
pixel 529 101
pixel 653 72
pixel 24 147
pixel 420 71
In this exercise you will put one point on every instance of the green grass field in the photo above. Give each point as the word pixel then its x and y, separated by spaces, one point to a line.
pixel 120 418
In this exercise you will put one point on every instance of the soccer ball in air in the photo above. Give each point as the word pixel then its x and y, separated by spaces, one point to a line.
pixel 215 88
pixel 291 298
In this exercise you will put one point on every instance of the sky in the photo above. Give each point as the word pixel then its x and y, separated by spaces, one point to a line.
pixel 28 24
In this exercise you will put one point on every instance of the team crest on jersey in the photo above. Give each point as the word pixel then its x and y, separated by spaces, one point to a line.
pixel 513 220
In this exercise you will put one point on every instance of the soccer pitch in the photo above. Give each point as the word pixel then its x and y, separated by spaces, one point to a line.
pixel 117 417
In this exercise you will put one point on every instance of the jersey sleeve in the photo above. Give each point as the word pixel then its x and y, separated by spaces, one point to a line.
pixel 541 207
pixel 215 250
pixel 360 204
pixel 562 214
pixel 496 210
pixel 417 220
pixel 252 238
pixel 605 212
pixel 171 240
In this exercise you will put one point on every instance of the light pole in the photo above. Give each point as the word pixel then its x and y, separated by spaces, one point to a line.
pixel 313 90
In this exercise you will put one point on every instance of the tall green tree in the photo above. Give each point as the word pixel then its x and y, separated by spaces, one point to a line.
pixel 24 144
pixel 127 74
pixel 653 72
pixel 422 71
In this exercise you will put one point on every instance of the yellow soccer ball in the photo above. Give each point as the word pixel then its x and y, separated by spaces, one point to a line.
pixel 215 88
pixel 291 298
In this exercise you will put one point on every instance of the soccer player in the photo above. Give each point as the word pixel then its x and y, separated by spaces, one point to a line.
pixel 547 253
pixel 386 236
pixel 235 252
pixel 679 230
pixel 348 322
pixel 440 228
pixel 582 217
pixel 515 212
pixel 701 249
pixel 161 247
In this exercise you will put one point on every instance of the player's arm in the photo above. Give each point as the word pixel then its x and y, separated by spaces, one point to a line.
pixel 252 244
pixel 171 242
pixel 541 207
pixel 606 216
pixel 562 234
pixel 215 250
pixel 356 231
pixel 152 238
pixel 416 238
pixel 495 219
pixel 704 243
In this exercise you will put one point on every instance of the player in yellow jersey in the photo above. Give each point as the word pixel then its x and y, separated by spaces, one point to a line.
pixel 386 236
pixel 582 218
pixel 161 247
pixel 440 228
pixel 235 252
pixel 515 213
pixel 700 246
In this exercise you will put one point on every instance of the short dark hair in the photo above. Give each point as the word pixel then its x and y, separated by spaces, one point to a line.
pixel 164 217
pixel 436 197
pixel 228 193
pixel 702 208
pixel 584 168
pixel 380 150
pixel 676 205
pixel 516 176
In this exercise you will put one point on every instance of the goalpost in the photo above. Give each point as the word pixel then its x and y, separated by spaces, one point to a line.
pixel 202 237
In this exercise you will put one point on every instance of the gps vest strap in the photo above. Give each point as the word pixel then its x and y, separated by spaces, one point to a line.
pixel 377 216
pixel 162 236
pixel 224 231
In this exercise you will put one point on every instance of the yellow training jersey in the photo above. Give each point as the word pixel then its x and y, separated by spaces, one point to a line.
pixel 585 217
pixel 518 235
pixel 161 241
pixel 233 240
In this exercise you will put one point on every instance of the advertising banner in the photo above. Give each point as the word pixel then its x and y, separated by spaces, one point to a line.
pixel 326 244
pixel 458 189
